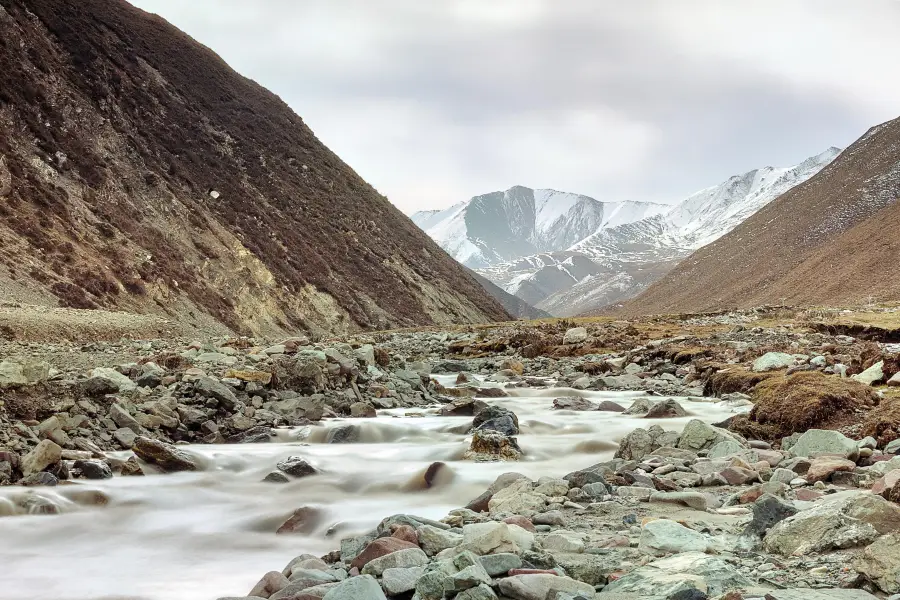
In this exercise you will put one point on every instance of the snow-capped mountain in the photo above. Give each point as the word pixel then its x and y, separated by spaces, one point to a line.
pixel 568 254
pixel 503 226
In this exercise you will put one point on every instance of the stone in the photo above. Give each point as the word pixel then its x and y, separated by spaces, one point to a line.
pixel 694 500
pixel 167 458
pixel 497 418
pixel 880 563
pixel 811 594
pixel 41 478
pixel 344 434
pixel 518 498
pixel 739 475
pixel 94 469
pixel 493 537
pixel 271 583
pixel 887 482
pixel 872 375
pixel 433 540
pixel 725 448
pixel 575 335
pixel 767 511
pixel 276 477
pixel 296 466
pixel 563 541
pixel 771 361
pixel 665 409
pixel 114 379
pixel 823 441
pixel 663 536
pixel 401 559
pixel 576 403
pixel 636 445
pixel 377 549
pixel 304 520
pixel 542 587
pixel 686 570
pixel 490 445
pixel 500 563
pixel 822 469
pixel 45 454
pixel 697 436
pixel 471 574
pixel 482 592
pixel 463 407
pixel 121 417
pixel 363 587
pixel 362 410
pixel 894 381
pixel 210 388
pixel 610 406
pixel 399 580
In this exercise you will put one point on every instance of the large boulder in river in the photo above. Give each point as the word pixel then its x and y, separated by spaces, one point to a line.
pixel 488 445
pixel 497 418
pixel 574 403
pixel 168 458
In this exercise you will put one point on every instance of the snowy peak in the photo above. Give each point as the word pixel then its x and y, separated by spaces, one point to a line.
pixel 503 226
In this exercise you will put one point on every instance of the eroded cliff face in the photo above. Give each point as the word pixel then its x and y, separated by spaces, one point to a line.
pixel 140 172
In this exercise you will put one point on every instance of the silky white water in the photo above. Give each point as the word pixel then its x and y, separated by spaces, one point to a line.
pixel 201 535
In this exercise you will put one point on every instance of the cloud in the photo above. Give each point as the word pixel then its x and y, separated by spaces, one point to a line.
pixel 434 102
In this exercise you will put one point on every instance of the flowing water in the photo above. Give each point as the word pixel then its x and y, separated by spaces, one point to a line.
pixel 200 535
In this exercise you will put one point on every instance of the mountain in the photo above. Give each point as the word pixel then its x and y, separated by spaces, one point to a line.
pixel 618 261
pixel 514 305
pixel 503 226
pixel 831 240
pixel 139 172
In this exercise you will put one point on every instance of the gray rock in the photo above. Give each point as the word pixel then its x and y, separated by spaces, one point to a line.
pixel 433 540
pixel 824 526
pixel 482 592
pixel 400 580
pixel 811 594
pixel 576 403
pixel 542 586
pixel 665 409
pixel 822 441
pixel 636 445
pixel 13 373
pixel 94 469
pixel 575 335
pixel 364 587
pixel 771 361
pixel 663 536
pixel 500 564
pixel 681 571
pixel 39 479
pixel 296 466
pixel 210 388
pixel 45 454
pixel 725 448
pixel 767 511
pixel 167 458
pixel 872 375
pixel 471 574
pixel 694 500
pixel 271 583
pixel 697 436
pixel 893 447
pixel 345 434
pixel 114 379
pixel 401 559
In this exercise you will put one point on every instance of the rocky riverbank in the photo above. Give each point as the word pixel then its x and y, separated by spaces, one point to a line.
pixel 795 490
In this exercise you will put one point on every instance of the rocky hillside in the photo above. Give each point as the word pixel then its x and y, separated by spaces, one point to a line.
pixel 514 305
pixel 139 172
pixel 831 240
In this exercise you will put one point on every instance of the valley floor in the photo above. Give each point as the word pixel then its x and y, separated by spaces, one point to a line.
pixel 736 455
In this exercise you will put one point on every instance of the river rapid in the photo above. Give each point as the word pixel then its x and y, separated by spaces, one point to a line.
pixel 200 535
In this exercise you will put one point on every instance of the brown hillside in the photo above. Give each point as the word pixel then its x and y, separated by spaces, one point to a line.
pixel 832 240
pixel 138 171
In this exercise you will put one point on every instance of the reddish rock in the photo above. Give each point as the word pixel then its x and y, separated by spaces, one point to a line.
pixel 617 541
pixel 887 482
pixel 739 475
pixel 405 533
pixel 773 457
pixel 751 495
pixel 808 495
pixel 821 469
pixel 380 547
pixel 304 520
pixel 480 504
pixel 523 522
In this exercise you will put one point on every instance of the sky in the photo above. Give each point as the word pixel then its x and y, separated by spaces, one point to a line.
pixel 436 101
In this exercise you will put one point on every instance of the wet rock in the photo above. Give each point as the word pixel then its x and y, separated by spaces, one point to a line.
pixel 767 511
pixel 276 477
pixel 463 407
pixel 641 406
pixel 489 445
pixel 665 409
pixel 542 586
pixel 575 335
pixel 305 521
pixel 167 458
pixel 364 587
pixel 345 434
pixel 45 454
pixel 94 469
pixel 880 563
pixel 39 479
pixel 686 570
pixel 497 418
pixel 574 403
pixel 771 361
pixel 663 536
pixel 822 441
pixel 610 406
pixel 296 466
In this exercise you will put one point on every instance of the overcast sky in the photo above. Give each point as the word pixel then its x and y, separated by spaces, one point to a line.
pixel 434 101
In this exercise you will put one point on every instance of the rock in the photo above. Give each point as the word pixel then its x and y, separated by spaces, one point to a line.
pixel 345 434
pixel 771 361
pixel 563 541
pixel 725 448
pixel 471 574
pixel 880 563
pixel 574 403
pixel 767 511
pixel 41 478
pixel 399 580
pixel 482 592
pixel 121 417
pixel 489 445
pixel 463 407
pixel 610 406
pixel 694 500
pixel 887 482
pixel 872 375
pixel 364 587
pixel 739 475
pixel 14 373
pixel 663 536
pixel 94 469
pixel 542 586
pixel 210 388
pixel 45 454
pixel 697 435
pixel 271 583
pixel 636 445
pixel 303 407
pixel 810 594
pixel 166 457
pixel 434 540
pixel 296 466
pixel 401 559
pixel 895 380
pixel 666 409
pixel 362 410
pixel 822 441
pixel 575 335
pixel 686 570
pixel 500 564
pixel 304 520
pixel 493 537
pixel 377 549
pixel 518 498
pixel 276 477
pixel 114 379
pixel 822 469
pixel 497 418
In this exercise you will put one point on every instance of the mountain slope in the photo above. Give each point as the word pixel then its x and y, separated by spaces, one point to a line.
pixel 140 172
pixel 503 226
pixel 831 240
pixel 514 305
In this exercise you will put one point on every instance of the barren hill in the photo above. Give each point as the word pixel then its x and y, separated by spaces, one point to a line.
pixel 139 172
pixel 832 240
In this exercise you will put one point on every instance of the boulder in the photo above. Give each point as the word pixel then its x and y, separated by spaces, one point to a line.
pixel 463 407
pixel 663 536
pixel 880 563
pixel 364 587
pixel 377 549
pixel 493 537
pixel 434 540
pixel 344 434
pixel 304 520
pixel 575 335
pixel 401 559
pixel 210 388
pixel 636 445
pixel 665 409
pixel 167 458
pixel 697 436
pixel 303 372
pixel 574 403
pixel 45 454
pixel 771 361
pixel 822 469
pixel 823 441
pixel 94 469
pixel 113 379
pixel 872 375
pixel 399 580
pixel 686 570
pixel 767 511
pixel 725 448
pixel 518 498
pixel 490 445
pixel 540 586
pixel 497 418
